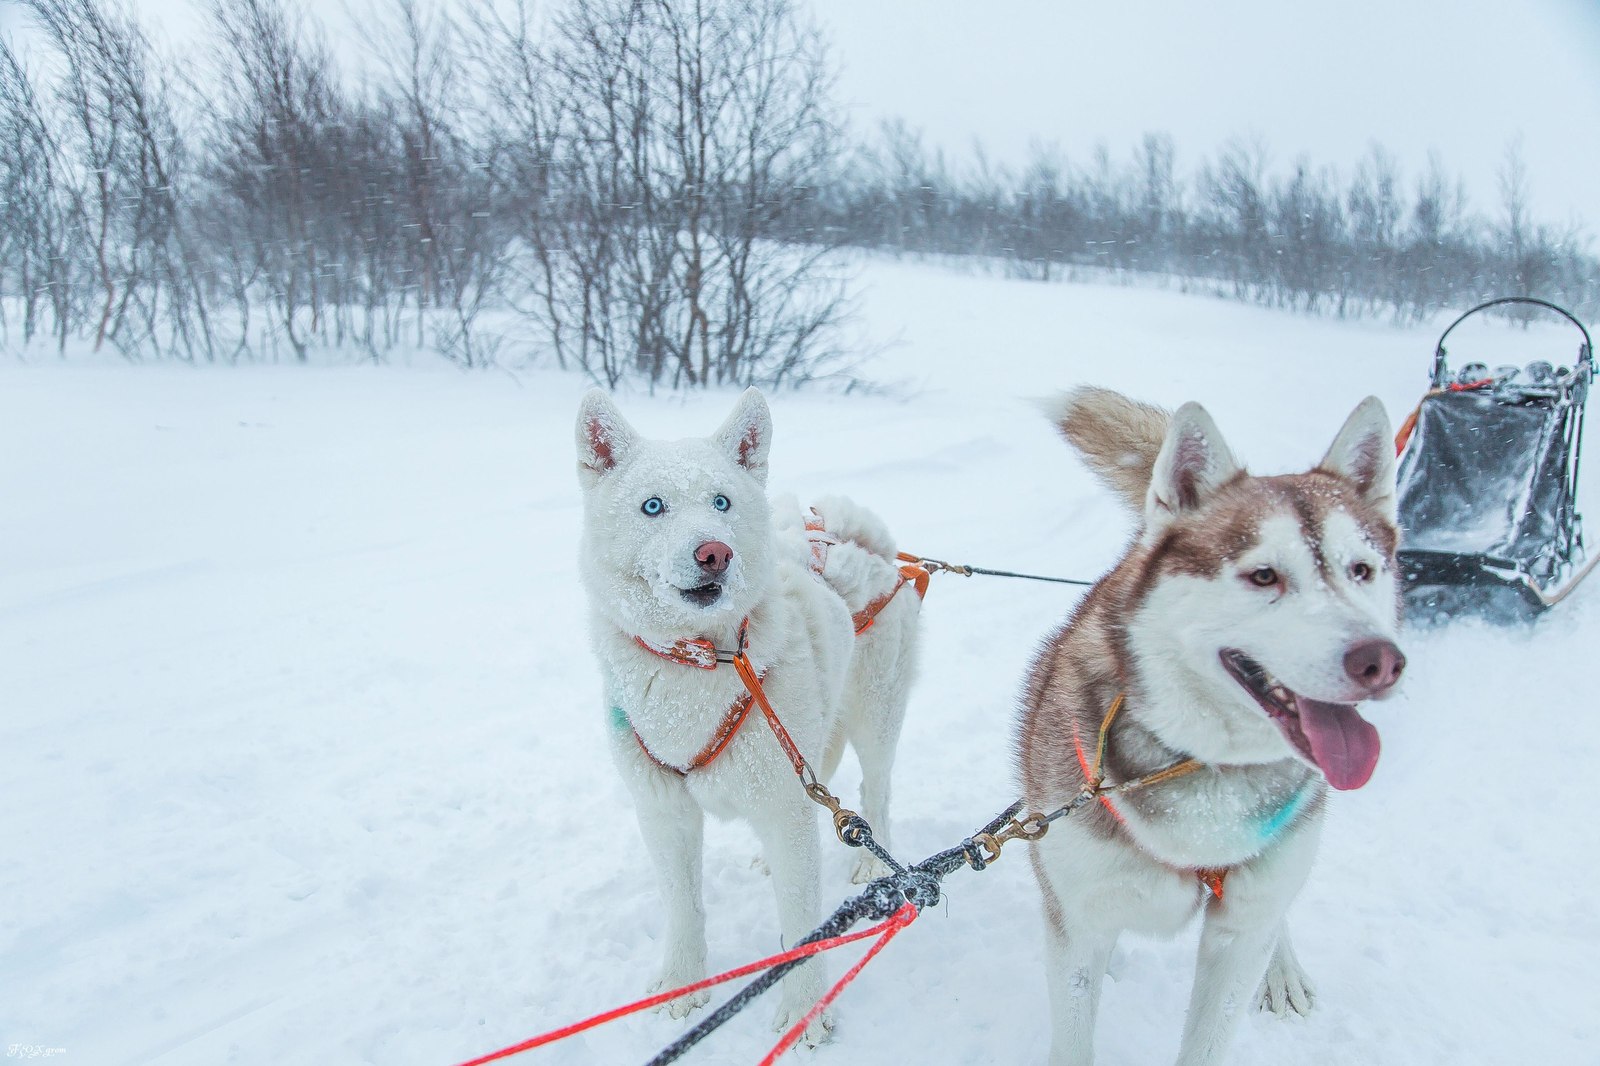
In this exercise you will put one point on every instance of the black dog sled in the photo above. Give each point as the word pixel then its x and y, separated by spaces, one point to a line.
pixel 1488 484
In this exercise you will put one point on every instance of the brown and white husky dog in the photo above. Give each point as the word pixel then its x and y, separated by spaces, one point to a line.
pixel 1241 629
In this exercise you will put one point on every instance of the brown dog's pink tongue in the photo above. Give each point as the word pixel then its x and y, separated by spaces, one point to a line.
pixel 1343 744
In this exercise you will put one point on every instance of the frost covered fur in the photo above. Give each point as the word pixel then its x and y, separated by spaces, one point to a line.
pixel 680 542
pixel 1241 628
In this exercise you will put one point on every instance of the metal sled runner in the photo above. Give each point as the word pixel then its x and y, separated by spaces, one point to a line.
pixel 1488 484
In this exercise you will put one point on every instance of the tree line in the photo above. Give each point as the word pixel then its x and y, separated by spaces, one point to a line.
pixel 655 190
pixel 1305 238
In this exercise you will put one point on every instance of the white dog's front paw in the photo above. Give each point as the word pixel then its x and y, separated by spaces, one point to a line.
pixel 680 1007
pixel 868 867
pixel 818 1032
pixel 1286 989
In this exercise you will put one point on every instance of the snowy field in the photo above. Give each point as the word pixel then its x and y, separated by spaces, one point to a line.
pixel 304 751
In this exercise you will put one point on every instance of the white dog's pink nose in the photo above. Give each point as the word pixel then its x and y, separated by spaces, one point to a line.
pixel 1375 665
pixel 713 556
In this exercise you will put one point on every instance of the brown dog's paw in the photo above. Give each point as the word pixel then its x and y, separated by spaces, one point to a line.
pixel 1285 989
pixel 818 1032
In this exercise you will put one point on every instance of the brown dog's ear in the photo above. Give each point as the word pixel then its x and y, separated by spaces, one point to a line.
pixel 747 434
pixel 1363 453
pixel 604 436
pixel 1117 437
pixel 1193 463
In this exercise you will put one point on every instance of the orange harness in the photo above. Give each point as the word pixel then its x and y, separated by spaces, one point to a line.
pixel 703 654
pixel 1094 777
pixel 910 572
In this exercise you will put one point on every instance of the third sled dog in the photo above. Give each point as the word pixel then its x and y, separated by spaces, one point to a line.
pixel 683 554
pixel 1235 638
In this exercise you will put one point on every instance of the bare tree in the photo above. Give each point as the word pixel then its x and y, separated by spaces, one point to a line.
pixel 1160 221
pixel 36 214
pixel 1307 228
pixel 1233 195
pixel 445 194
pixel 673 143
pixel 520 124
pixel 273 152
pixel 1375 216
pixel 123 168
pixel 1528 252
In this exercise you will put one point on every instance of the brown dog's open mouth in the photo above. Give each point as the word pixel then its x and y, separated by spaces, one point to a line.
pixel 1332 736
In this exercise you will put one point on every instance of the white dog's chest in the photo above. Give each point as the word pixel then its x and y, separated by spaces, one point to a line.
pixel 675 714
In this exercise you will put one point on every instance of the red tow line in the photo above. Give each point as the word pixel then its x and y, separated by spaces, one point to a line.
pixel 885 931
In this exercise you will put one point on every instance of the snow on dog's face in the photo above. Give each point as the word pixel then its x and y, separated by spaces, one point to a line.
pixel 1277 598
pixel 677 534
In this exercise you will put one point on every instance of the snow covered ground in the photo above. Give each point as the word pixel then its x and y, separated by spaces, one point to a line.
pixel 303 745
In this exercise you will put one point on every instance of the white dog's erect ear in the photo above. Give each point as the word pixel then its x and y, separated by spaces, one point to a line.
pixel 1363 452
pixel 747 434
pixel 1193 462
pixel 604 436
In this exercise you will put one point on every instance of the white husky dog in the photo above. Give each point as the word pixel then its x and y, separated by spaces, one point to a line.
pixel 681 556
pixel 1231 644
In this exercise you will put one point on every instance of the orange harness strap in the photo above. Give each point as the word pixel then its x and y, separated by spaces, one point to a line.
pixel 754 694
pixel 697 652
pixel 909 575
pixel 817 533
pixel 703 655
pixel 752 681
pixel 1213 879
pixel 719 740
pixel 1094 779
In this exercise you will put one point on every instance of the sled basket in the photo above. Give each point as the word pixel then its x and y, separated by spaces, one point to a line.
pixel 1488 484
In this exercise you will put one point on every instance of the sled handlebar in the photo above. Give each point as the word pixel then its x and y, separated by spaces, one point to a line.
pixel 1585 352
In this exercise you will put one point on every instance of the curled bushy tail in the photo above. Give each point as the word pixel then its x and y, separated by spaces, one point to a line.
pixel 1118 438
pixel 852 523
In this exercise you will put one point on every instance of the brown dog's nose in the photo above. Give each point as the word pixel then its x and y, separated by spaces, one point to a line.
pixel 713 556
pixel 1375 665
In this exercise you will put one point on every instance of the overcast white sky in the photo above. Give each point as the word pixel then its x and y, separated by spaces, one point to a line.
pixel 1460 77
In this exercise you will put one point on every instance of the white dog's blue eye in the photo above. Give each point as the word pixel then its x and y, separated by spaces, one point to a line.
pixel 653 506
pixel 721 503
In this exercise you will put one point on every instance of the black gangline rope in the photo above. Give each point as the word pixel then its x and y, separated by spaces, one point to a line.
pixel 1030 577
pixel 934 566
pixel 917 885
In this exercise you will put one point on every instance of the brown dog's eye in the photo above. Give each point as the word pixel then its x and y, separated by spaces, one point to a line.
pixel 1264 577
pixel 1360 572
